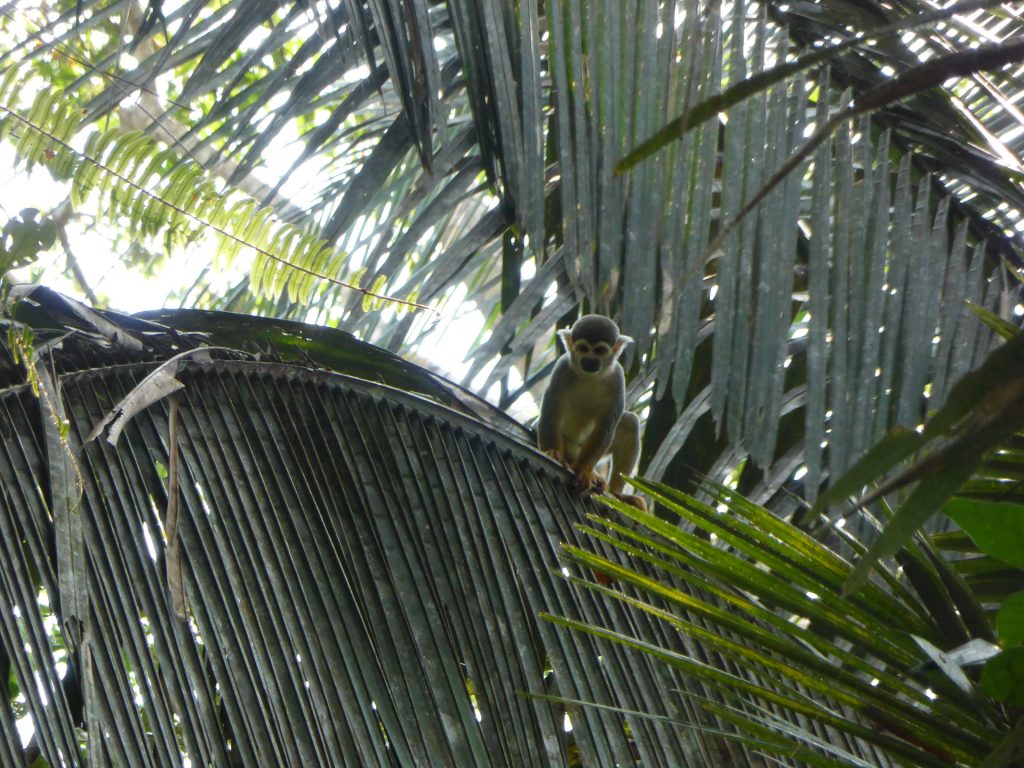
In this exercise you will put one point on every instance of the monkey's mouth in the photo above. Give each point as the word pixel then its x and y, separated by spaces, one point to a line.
pixel 590 364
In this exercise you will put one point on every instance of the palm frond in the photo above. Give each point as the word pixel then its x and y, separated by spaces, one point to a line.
pixel 363 568
pixel 423 139
pixel 857 667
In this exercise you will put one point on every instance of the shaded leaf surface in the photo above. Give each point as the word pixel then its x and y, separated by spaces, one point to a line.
pixel 364 569
pixel 997 528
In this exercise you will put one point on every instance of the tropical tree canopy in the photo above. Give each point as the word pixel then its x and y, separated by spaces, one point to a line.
pixel 798 211
pixel 433 144
pixel 224 545
pixel 282 564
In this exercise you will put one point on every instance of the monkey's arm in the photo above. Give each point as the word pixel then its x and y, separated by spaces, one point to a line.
pixel 600 440
pixel 591 453
pixel 549 426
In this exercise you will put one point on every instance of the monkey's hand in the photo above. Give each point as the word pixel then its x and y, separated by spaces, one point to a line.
pixel 586 480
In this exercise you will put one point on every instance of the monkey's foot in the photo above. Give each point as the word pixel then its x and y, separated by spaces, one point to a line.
pixel 633 501
pixel 586 481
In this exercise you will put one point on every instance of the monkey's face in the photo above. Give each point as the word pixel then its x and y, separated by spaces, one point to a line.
pixel 593 357
pixel 593 344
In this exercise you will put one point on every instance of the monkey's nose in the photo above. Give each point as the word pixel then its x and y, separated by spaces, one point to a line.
pixel 590 364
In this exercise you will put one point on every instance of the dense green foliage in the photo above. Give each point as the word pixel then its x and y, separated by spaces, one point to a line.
pixel 799 211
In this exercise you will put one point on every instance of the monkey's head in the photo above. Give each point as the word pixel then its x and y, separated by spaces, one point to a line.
pixel 593 344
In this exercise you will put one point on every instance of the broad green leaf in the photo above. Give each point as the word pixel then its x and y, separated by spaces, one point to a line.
pixel 1002 678
pixel 993 387
pixel 1010 620
pixel 996 527
pixel 23 237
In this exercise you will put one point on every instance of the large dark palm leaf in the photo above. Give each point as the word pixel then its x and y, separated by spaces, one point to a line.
pixel 364 569
pixel 406 108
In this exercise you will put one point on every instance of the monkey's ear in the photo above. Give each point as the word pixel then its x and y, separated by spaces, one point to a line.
pixel 621 343
pixel 566 336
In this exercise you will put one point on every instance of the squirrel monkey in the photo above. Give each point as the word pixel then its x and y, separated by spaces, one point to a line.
pixel 583 416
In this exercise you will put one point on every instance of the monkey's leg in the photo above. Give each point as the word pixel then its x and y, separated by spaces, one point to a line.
pixel 585 479
pixel 625 451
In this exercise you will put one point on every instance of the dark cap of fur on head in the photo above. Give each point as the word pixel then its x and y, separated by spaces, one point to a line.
pixel 595 328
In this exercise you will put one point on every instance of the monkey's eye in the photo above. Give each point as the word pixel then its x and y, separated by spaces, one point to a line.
pixel 582 347
pixel 602 349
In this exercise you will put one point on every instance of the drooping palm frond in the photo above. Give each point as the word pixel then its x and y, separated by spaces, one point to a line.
pixel 875 668
pixel 364 567
pixel 819 324
pixel 959 615
pixel 968 135
pixel 824 320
